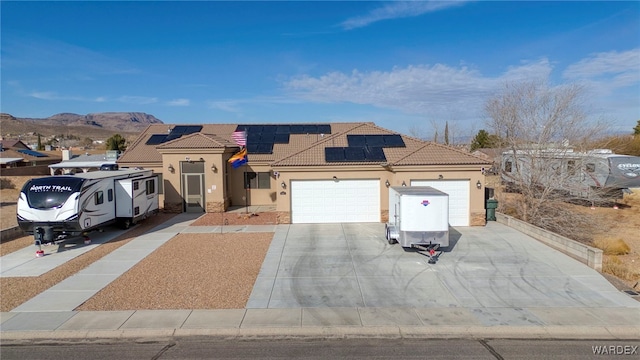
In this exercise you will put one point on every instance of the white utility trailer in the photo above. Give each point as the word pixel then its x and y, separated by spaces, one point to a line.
pixel 418 218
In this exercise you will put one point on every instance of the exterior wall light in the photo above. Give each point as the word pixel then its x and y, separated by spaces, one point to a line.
pixel 214 168
pixel 335 178
pixel 386 183
pixel 479 185
pixel 283 185
pixel 171 169
pixel 404 183
pixel 440 176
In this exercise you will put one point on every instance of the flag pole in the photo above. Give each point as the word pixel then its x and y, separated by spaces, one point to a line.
pixel 246 190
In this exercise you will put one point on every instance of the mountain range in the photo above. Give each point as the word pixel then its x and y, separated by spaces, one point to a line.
pixel 95 125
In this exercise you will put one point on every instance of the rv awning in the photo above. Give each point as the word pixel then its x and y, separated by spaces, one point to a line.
pixel 5 161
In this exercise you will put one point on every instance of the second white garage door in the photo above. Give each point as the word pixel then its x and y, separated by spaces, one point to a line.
pixel 458 191
pixel 328 201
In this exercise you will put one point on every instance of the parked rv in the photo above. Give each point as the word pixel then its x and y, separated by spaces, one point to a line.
pixel 418 217
pixel 54 207
pixel 594 175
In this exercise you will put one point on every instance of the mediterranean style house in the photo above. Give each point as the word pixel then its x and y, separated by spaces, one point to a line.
pixel 310 173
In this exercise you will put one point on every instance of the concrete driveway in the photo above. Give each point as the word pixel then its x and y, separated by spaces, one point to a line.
pixel 352 265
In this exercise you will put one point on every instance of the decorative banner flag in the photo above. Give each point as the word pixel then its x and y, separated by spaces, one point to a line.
pixel 240 137
pixel 239 158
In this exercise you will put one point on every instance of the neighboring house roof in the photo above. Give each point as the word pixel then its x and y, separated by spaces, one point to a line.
pixel 13 143
pixel 14 153
pixel 301 149
pixel 83 161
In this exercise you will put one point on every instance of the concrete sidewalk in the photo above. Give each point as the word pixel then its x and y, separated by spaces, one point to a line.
pixel 339 280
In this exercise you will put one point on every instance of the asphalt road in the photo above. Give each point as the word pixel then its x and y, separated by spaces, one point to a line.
pixel 211 348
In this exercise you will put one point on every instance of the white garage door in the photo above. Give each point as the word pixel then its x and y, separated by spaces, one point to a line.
pixel 328 201
pixel 458 191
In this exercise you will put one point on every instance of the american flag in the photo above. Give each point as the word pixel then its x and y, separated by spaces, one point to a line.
pixel 240 137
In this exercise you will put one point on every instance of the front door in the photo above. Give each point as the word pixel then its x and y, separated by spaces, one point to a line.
pixel 193 186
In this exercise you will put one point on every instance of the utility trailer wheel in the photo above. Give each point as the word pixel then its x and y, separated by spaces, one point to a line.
pixel 126 223
pixel 390 239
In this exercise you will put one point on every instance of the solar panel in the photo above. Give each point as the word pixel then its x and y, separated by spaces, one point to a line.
pixel 156 139
pixel 172 136
pixel 253 137
pixel 32 153
pixel 269 129
pixel 375 140
pixel 267 138
pixel 281 138
pixel 374 154
pixel 356 140
pixel 297 129
pixel 252 148
pixel 186 129
pixel 311 129
pixel 354 154
pixel 334 154
pixel 393 140
pixel 324 129
pixel 283 129
pixel 264 148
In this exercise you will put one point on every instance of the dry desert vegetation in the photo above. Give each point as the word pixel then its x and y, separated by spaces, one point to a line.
pixel 217 271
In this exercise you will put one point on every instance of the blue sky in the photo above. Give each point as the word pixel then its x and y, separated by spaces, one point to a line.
pixel 403 65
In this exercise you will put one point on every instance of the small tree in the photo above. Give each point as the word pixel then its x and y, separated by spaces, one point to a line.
pixel 116 142
pixel 40 146
pixel 535 121
pixel 636 129
pixel 446 133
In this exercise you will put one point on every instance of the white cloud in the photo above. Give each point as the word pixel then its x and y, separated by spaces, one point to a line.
pixel 398 9
pixel 436 90
pixel 609 69
pixel 139 100
pixel 179 102
pixel 224 105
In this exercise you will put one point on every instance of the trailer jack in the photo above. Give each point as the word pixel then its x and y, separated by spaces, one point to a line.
pixel 431 251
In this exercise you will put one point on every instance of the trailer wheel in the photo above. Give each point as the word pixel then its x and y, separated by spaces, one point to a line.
pixel 126 223
pixel 390 239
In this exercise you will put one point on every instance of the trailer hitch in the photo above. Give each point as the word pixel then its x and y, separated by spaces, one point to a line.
pixel 431 251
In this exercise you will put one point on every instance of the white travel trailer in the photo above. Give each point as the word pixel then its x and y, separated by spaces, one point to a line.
pixel 418 217
pixel 595 175
pixel 55 207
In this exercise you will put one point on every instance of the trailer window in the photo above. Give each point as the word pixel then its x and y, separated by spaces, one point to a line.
pixel 508 166
pixel 99 196
pixel 110 195
pixel 136 186
pixel 150 187
pixel 261 180
pixel 591 167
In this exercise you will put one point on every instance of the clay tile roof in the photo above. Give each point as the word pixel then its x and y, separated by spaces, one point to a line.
pixel 302 149
pixel 197 141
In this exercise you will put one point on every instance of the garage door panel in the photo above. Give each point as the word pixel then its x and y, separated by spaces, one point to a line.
pixel 328 201
pixel 459 198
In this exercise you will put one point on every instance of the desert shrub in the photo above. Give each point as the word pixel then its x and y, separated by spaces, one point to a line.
pixel 612 265
pixel 611 246
pixel 6 184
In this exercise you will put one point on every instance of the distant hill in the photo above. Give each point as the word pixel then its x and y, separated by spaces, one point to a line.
pixel 95 126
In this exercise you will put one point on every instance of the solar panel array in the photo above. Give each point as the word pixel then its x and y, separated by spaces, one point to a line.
pixel 363 148
pixel 175 133
pixel 261 138
pixel 32 153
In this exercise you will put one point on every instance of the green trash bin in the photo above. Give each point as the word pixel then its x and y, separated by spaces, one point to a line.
pixel 492 205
